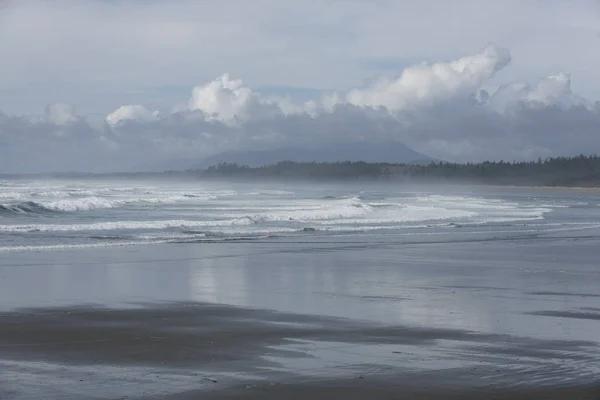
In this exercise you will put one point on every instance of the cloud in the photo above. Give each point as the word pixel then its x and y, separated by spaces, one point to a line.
pixel 551 90
pixel 60 114
pixel 428 84
pixel 447 109
pixel 223 99
pixel 137 113
pixel 151 52
pixel 230 101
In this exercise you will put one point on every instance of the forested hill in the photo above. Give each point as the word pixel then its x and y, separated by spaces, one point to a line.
pixel 559 171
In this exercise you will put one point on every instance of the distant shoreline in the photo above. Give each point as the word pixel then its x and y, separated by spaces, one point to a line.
pixel 194 177
pixel 580 172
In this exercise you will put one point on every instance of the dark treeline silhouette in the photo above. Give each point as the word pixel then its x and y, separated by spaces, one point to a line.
pixel 557 171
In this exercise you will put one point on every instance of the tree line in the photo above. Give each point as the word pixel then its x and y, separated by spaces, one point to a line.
pixel 580 170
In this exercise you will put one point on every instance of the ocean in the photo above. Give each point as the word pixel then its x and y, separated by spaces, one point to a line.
pixel 46 215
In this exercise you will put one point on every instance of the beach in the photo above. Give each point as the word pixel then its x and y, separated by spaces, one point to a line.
pixel 306 319
pixel 460 309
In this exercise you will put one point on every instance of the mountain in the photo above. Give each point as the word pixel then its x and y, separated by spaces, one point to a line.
pixel 390 152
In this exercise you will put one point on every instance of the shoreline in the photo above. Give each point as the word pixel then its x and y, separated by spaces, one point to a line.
pixel 189 177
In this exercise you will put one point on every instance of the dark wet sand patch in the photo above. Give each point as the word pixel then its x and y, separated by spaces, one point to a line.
pixel 590 308
pixel 362 388
pixel 217 339
pixel 568 314
pixel 363 297
pixel 566 294
pixel 475 287
pixel 186 334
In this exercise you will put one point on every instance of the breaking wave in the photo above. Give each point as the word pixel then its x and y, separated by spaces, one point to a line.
pixel 88 204
pixel 26 207
pixel 103 213
pixel 347 208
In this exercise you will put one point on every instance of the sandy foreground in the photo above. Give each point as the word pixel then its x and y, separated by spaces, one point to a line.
pixel 310 320
pixel 199 350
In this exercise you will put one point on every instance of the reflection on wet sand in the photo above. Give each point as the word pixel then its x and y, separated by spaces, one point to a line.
pixel 174 318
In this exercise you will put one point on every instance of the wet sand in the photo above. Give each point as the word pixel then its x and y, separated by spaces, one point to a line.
pixel 392 388
pixel 517 318
pixel 212 351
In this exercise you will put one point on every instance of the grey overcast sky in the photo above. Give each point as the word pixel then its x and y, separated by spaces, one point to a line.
pixel 130 84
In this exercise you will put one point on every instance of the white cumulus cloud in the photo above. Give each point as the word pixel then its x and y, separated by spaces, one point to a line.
pixel 428 84
pixel 444 109
pixel 132 112
pixel 223 99
pixel 549 91
pixel 228 100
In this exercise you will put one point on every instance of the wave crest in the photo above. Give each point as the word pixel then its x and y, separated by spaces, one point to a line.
pixel 26 207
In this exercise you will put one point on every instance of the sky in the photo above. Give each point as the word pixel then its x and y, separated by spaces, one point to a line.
pixel 99 85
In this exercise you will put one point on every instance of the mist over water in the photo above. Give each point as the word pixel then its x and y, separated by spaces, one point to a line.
pixel 37 215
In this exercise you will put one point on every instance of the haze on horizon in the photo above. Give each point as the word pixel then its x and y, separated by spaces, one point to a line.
pixel 107 85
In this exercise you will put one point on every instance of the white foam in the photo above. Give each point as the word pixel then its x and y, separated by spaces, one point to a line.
pixel 123 225
pixel 84 198
pixel 12 195
pixel 340 210
pixel 93 203
pixel 271 192
pixel 178 212
pixel 54 247
pixel 83 204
